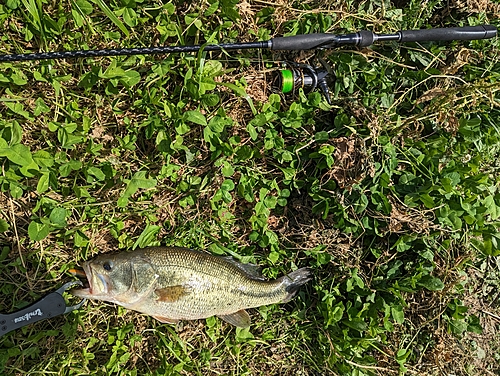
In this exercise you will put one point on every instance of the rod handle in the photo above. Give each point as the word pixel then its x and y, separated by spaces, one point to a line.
pixel 302 42
pixel 448 34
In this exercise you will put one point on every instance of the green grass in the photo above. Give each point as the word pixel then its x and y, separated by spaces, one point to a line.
pixel 391 195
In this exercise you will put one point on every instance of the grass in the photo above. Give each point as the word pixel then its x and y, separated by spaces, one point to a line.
pixel 391 194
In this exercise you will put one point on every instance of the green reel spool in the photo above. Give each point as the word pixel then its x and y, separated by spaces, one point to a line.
pixel 286 81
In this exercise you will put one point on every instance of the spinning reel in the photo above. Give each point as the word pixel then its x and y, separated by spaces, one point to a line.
pixel 297 76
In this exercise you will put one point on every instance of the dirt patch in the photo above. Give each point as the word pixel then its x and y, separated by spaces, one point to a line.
pixel 482 301
pixel 404 218
pixel 351 162
pixel 435 349
pixel 476 6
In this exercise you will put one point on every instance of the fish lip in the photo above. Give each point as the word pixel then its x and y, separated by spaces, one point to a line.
pixel 88 273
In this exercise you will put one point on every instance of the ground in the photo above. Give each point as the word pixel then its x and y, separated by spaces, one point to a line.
pixel 390 194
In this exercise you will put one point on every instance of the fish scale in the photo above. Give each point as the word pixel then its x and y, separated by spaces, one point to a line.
pixel 172 284
pixel 187 267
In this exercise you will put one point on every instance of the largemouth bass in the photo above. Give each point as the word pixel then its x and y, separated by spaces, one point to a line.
pixel 173 284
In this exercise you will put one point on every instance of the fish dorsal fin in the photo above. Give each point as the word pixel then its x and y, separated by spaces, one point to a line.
pixel 171 294
pixel 253 271
pixel 239 319
pixel 166 320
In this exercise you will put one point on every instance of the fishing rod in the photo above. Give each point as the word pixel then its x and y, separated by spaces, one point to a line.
pixel 299 75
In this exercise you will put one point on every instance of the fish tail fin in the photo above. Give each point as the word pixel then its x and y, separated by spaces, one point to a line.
pixel 294 280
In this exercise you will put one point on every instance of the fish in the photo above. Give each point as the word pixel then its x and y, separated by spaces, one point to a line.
pixel 173 284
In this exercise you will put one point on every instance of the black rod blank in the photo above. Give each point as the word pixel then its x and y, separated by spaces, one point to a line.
pixel 292 43
pixel 131 51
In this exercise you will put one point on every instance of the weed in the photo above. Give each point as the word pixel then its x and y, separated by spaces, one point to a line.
pixel 391 194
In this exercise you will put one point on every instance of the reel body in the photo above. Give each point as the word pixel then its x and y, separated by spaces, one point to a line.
pixel 303 76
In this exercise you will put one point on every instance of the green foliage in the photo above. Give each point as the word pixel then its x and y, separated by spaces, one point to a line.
pixel 391 194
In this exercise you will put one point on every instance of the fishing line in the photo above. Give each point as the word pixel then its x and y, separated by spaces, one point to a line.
pixel 286 83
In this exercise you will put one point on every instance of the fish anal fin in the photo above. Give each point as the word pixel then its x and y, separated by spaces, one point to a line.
pixel 171 294
pixel 166 320
pixel 241 319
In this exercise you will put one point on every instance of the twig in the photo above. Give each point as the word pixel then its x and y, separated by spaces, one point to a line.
pixel 375 368
pixel 400 99
pixel 376 55
pixel 492 315
pixel 16 234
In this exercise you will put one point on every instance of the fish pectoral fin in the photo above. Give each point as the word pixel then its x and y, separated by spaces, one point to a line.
pixel 171 294
pixel 166 320
pixel 241 319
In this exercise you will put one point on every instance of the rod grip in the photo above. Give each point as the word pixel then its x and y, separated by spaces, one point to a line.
pixel 302 42
pixel 448 34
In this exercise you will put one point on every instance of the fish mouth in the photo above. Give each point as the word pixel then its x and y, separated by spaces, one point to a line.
pixel 85 275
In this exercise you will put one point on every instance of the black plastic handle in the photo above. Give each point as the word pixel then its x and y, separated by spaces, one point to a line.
pixel 302 42
pixel 50 306
pixel 447 34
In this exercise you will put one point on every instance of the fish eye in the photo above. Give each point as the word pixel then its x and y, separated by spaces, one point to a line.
pixel 106 266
